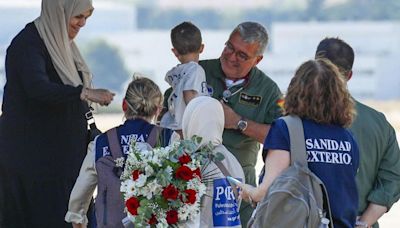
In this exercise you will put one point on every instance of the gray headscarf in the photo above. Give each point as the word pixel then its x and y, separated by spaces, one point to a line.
pixel 52 25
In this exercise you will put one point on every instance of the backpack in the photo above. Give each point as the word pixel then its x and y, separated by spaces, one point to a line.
pixel 109 204
pixel 297 197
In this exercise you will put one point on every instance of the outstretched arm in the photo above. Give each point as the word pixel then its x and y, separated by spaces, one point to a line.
pixel 254 130
pixel 275 162
pixel 100 96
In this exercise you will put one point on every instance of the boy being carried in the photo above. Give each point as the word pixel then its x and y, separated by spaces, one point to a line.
pixel 186 79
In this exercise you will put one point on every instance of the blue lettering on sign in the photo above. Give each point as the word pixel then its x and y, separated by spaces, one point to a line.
pixel 225 208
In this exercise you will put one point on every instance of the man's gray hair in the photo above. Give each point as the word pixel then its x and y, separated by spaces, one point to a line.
pixel 253 32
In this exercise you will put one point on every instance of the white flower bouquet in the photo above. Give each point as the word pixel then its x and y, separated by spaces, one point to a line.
pixel 162 187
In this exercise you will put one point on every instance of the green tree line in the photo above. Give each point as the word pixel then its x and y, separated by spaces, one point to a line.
pixel 150 17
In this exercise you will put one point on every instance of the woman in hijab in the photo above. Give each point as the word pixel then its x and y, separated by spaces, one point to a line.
pixel 43 129
pixel 204 117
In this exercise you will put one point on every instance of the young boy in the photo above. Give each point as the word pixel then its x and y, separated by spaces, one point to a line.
pixel 187 79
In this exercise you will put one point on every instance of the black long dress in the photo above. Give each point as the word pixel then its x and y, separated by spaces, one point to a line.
pixel 42 137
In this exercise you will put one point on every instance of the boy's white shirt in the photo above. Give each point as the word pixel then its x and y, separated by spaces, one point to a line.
pixel 183 77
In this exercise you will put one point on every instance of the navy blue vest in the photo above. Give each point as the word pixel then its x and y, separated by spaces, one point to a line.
pixel 136 129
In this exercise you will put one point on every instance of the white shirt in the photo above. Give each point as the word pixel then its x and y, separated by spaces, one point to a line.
pixel 188 76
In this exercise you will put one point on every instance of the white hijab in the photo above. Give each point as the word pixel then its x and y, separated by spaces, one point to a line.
pixel 204 116
pixel 52 25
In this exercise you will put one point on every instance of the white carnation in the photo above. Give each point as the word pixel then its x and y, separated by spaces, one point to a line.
pixel 155 187
pixel 141 181
pixel 193 210
pixel 169 170
pixel 183 212
pixel 201 190
pixel 128 186
pixel 162 222
pixel 119 162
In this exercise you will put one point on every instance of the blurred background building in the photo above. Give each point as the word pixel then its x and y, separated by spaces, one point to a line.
pixel 129 36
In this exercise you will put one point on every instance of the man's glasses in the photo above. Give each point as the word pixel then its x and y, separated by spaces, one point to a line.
pixel 240 56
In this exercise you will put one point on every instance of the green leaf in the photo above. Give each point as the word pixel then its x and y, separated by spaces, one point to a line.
pixel 144 202
pixel 218 156
pixel 197 139
pixel 162 203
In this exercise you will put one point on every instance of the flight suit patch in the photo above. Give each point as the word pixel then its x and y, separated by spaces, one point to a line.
pixel 247 99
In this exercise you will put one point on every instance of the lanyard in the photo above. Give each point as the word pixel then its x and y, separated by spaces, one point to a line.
pixel 227 93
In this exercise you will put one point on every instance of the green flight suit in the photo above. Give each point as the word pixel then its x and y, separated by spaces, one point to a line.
pixel 257 100
pixel 378 177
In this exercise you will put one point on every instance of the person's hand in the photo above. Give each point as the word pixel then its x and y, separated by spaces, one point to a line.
pixel 101 96
pixel 78 225
pixel 250 193
pixel 231 117
pixel 361 224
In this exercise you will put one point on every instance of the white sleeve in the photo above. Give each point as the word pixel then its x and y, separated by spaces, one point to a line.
pixel 195 79
pixel 175 137
pixel 83 189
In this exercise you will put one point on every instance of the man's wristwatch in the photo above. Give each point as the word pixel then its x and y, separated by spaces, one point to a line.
pixel 361 224
pixel 241 125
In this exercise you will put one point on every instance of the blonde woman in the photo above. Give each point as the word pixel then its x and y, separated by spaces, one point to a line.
pixel 141 105
pixel 319 96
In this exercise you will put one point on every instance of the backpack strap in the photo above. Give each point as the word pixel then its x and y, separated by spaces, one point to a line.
pixel 225 172
pixel 327 205
pixel 113 142
pixel 154 135
pixel 297 140
pixel 298 154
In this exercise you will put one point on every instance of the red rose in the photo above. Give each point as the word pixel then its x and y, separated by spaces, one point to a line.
pixel 172 217
pixel 190 196
pixel 170 192
pixel 132 204
pixel 197 172
pixel 153 220
pixel 135 174
pixel 184 159
pixel 184 173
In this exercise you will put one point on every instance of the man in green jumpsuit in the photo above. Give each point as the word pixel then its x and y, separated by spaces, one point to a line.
pixel 251 99
pixel 378 177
